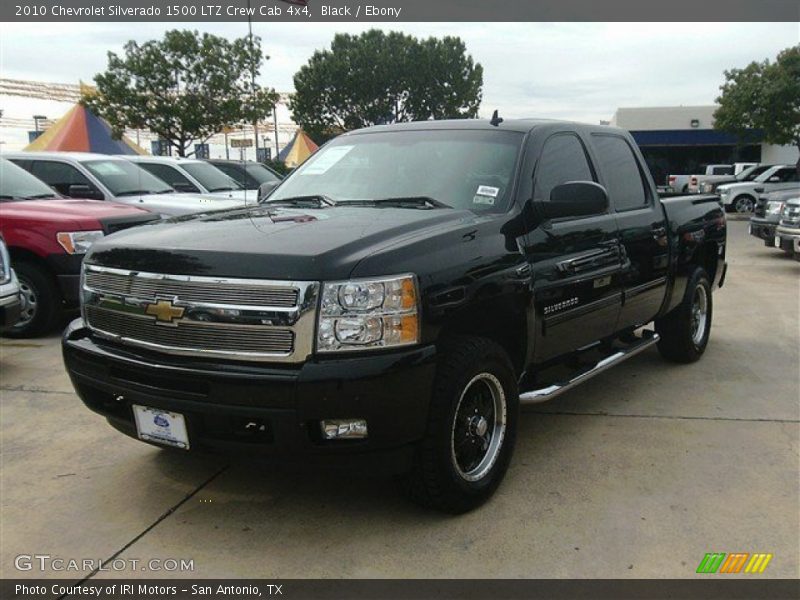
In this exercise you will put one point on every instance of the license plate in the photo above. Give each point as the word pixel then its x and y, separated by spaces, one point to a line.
pixel 777 241
pixel 161 426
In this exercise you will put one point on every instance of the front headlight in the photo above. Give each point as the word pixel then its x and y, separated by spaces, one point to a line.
pixel 774 208
pixel 368 313
pixel 77 242
pixel 723 191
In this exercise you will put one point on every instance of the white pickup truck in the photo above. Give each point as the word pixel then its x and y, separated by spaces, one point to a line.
pixel 706 184
pixel 680 183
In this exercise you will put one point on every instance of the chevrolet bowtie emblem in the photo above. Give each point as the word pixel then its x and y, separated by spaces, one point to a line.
pixel 164 311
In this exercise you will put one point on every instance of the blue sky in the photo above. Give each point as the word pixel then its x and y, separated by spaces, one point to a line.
pixel 580 71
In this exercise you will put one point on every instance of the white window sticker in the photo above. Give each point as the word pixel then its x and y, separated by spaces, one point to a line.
pixel 487 190
pixel 326 160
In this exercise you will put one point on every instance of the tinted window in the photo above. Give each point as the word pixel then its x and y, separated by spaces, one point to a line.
pixel 788 174
pixel 563 159
pixel 626 188
pixel 171 176
pixel 60 175
pixel 726 170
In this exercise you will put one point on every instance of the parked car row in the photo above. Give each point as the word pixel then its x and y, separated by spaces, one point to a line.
pixel 776 220
pixel 54 205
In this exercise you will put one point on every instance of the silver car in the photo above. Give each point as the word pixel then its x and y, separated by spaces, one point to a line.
pixel 102 177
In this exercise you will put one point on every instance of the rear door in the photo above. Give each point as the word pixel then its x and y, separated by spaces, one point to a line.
pixel 575 262
pixel 642 228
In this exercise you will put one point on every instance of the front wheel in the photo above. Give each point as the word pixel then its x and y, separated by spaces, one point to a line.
pixel 471 431
pixel 684 332
pixel 41 301
pixel 744 204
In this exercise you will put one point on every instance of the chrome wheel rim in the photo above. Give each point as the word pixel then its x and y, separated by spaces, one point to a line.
pixel 30 304
pixel 699 316
pixel 479 427
pixel 744 205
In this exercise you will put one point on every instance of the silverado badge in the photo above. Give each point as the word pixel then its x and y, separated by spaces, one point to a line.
pixel 164 311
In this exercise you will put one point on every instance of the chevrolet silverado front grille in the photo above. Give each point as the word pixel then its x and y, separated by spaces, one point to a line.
pixel 245 319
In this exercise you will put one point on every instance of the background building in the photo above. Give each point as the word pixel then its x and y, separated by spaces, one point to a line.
pixel 681 139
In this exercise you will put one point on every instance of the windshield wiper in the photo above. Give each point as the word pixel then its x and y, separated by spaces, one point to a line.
pixel 40 196
pixel 134 193
pixel 222 189
pixel 402 201
pixel 319 200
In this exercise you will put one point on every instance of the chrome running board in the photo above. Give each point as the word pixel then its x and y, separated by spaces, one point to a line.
pixel 548 393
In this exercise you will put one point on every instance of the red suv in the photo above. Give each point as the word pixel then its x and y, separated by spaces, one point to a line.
pixel 47 236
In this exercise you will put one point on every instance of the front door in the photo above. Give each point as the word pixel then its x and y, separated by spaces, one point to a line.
pixel 575 261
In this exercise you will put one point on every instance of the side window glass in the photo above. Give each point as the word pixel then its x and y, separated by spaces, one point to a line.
pixel 626 186
pixel 563 159
pixel 170 176
pixel 60 176
pixel 234 173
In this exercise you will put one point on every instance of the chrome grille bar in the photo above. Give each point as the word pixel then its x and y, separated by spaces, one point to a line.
pixel 244 319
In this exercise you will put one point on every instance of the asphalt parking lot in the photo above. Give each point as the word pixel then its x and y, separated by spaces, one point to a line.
pixel 637 473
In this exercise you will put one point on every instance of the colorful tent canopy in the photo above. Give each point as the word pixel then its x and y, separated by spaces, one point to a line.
pixel 80 130
pixel 298 150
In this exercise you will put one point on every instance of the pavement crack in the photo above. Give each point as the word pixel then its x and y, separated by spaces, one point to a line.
pixel 152 526
pixel 641 416
pixel 32 390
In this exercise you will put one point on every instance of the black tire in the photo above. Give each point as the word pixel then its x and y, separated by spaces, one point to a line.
pixel 743 204
pixel 41 309
pixel 471 373
pixel 681 339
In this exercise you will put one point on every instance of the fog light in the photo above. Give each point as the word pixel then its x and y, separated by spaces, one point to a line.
pixel 344 429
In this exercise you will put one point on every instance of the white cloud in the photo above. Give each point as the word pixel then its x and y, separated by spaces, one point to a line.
pixel 580 71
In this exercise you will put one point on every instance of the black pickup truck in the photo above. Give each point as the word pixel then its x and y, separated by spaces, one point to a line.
pixel 396 298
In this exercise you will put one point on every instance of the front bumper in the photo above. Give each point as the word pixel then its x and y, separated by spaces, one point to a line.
pixel 390 390
pixel 787 238
pixel 10 303
pixel 763 230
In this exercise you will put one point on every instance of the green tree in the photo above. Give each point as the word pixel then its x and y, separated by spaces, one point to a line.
pixel 766 96
pixel 183 88
pixel 379 77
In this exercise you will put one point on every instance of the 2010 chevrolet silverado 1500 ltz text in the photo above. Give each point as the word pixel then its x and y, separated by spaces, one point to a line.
pixel 396 298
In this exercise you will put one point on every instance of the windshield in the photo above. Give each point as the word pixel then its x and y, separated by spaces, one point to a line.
pixel 124 178
pixel 465 169
pixel 751 173
pixel 210 177
pixel 17 184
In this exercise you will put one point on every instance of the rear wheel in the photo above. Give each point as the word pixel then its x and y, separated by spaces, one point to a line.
pixel 471 428
pixel 684 332
pixel 41 301
pixel 744 204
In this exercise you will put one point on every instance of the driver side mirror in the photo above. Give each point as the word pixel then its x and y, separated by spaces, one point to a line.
pixel 575 199
pixel 774 179
pixel 80 190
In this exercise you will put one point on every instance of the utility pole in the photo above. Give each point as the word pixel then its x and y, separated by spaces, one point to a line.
pixel 252 78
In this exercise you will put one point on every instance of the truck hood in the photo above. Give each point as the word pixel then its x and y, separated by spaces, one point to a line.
pixel 243 196
pixel 273 242
pixel 181 204
pixel 71 213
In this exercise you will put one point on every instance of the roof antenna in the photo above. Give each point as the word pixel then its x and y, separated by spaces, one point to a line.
pixel 496 120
